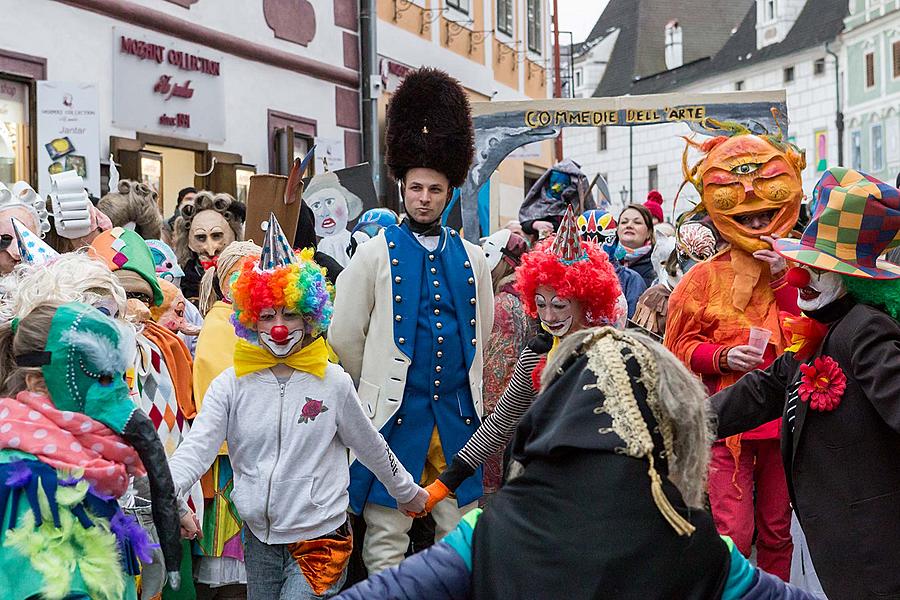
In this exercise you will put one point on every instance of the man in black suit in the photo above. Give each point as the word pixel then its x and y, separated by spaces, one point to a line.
pixel 838 388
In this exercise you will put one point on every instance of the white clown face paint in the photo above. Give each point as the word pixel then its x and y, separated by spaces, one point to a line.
pixel 559 316
pixel 280 331
pixel 824 287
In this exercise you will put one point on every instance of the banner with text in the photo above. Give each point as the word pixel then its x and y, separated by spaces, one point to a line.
pixel 163 85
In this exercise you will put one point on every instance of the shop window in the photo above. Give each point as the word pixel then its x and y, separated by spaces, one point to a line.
pixel 870 69
pixel 877 147
pixel 290 137
pixel 819 66
pixel 601 138
pixel 15 131
pixel 788 74
pixel 856 150
pixel 895 47
pixel 460 5
pixel 535 33
pixel 505 16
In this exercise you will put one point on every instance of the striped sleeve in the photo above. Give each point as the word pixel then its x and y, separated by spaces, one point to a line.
pixel 498 428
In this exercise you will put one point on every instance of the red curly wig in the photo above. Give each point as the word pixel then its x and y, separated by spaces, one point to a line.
pixel 592 282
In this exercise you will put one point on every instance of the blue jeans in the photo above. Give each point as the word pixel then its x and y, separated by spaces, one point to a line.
pixel 273 573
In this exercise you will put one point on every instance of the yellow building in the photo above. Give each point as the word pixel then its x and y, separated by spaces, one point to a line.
pixel 498 49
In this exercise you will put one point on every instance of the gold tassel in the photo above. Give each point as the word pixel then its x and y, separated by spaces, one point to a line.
pixel 678 523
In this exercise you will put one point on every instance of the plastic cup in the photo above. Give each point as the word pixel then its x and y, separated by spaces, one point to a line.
pixel 759 338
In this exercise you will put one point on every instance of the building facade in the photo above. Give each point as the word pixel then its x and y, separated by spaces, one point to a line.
pixel 871 55
pixel 498 49
pixel 181 92
pixel 769 45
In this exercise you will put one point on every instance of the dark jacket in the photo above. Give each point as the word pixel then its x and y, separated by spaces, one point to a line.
pixel 632 284
pixel 842 466
pixel 644 267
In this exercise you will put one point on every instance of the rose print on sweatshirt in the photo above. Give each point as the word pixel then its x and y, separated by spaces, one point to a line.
pixel 312 409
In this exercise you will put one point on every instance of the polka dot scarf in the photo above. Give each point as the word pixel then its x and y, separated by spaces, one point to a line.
pixel 68 441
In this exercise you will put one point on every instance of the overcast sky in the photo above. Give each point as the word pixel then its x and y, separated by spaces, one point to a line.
pixel 578 16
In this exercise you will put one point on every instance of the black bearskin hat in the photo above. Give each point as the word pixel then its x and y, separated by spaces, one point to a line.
pixel 429 124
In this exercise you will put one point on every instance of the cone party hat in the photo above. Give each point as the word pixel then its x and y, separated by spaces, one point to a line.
pixel 32 249
pixel 567 245
pixel 276 251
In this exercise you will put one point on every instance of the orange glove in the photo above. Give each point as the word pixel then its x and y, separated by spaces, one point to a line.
pixel 437 491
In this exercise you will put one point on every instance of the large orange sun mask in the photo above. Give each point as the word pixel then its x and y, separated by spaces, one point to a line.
pixel 750 187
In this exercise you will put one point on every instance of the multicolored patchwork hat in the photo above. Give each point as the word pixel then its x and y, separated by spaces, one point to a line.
pixel 32 249
pixel 597 226
pixel 567 245
pixel 855 219
pixel 122 248
pixel 276 251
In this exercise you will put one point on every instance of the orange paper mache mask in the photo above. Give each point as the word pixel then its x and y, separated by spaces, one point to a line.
pixel 750 186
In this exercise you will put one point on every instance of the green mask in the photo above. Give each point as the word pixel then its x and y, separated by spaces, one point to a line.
pixel 85 346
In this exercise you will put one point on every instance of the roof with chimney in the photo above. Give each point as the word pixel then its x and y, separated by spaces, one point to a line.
pixel 711 45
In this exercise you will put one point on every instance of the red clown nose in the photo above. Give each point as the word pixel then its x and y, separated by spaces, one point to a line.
pixel 797 277
pixel 279 333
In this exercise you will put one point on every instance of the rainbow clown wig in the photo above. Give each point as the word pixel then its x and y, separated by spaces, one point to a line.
pixel 576 269
pixel 299 285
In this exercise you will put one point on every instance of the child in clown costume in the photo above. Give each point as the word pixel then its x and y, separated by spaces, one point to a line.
pixel 288 416
pixel 70 438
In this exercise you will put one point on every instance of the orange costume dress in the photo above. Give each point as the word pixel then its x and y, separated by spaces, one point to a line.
pixel 750 186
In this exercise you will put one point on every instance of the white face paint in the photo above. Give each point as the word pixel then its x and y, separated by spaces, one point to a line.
pixel 824 287
pixel 557 315
pixel 280 332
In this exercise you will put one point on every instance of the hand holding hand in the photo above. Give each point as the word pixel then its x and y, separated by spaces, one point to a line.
pixel 190 526
pixel 416 506
pixel 743 358
pixel 777 264
pixel 437 491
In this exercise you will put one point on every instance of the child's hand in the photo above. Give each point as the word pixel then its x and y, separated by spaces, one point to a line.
pixel 190 526
pixel 416 506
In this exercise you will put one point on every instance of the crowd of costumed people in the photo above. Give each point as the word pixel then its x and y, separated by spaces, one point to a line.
pixel 585 405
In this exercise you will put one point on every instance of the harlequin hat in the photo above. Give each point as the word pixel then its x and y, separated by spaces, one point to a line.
pixel 567 245
pixel 855 219
pixel 32 249
pixel 276 251
pixel 596 225
pixel 122 248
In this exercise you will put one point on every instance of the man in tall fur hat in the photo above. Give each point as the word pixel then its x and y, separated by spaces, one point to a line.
pixel 412 313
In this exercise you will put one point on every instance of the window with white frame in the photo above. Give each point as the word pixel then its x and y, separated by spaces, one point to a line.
pixel 870 69
pixel 579 78
pixel 460 5
pixel 601 138
pixel 673 49
pixel 877 147
pixel 652 177
pixel 819 66
pixel 534 31
pixel 505 16
pixel 771 10
pixel 856 150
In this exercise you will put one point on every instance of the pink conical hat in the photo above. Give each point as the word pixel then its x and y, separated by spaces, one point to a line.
pixel 567 245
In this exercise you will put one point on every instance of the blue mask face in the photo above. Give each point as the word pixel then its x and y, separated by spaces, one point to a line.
pixel 557 184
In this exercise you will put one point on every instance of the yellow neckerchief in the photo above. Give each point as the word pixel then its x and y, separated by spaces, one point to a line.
pixel 555 343
pixel 249 358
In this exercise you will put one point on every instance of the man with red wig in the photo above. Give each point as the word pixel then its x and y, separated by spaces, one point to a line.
pixel 569 285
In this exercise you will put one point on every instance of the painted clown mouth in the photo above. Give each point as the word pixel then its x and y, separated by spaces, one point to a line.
pixel 558 328
pixel 808 294
pixel 758 221
pixel 328 222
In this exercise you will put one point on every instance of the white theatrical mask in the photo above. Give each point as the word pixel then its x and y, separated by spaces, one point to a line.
pixel 824 287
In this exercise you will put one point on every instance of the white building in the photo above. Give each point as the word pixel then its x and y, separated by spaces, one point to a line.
pixel 770 45
pixel 254 84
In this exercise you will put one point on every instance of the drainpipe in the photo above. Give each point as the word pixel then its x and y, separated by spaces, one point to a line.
pixel 839 114
pixel 557 79
pixel 370 79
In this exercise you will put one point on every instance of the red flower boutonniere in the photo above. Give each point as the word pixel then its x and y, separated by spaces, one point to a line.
pixel 822 384
pixel 311 410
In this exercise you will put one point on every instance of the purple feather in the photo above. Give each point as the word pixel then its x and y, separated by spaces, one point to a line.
pixel 19 475
pixel 128 530
pixel 69 481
